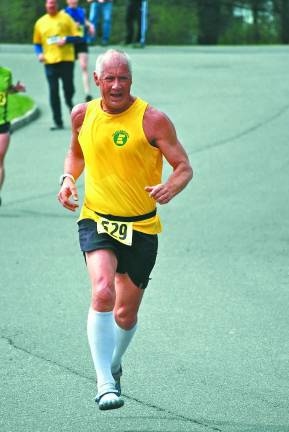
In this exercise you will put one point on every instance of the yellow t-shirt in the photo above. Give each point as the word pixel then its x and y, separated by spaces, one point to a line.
pixel 48 29
pixel 119 163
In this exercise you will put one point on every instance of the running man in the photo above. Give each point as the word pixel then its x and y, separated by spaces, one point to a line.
pixel 6 87
pixel 53 38
pixel 81 49
pixel 120 140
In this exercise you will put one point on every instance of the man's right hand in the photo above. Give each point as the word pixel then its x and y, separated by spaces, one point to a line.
pixel 41 57
pixel 68 189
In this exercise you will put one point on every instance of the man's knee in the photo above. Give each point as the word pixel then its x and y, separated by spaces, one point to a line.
pixel 125 317
pixel 4 142
pixel 83 65
pixel 2 156
pixel 103 294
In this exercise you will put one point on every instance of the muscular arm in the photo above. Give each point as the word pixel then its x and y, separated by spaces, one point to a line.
pixel 74 161
pixel 161 133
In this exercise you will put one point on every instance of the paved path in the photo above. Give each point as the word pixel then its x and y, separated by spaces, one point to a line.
pixel 212 350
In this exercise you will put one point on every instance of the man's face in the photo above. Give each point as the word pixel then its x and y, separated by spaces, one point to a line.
pixel 51 7
pixel 72 3
pixel 114 84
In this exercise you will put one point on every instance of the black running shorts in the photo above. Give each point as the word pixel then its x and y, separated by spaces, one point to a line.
pixel 136 260
pixel 80 48
pixel 4 128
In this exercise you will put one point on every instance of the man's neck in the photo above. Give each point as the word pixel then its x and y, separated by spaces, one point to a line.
pixel 117 111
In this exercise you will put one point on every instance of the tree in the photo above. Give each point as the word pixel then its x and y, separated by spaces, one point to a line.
pixel 281 9
pixel 209 19
pixel 258 7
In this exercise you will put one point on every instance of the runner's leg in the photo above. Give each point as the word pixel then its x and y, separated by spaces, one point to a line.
pixel 128 300
pixel 4 143
pixel 83 61
pixel 101 266
pixel 51 71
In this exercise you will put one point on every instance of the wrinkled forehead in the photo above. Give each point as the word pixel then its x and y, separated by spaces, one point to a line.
pixel 51 3
pixel 116 64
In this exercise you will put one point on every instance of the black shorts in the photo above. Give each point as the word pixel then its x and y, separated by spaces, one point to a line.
pixel 80 48
pixel 136 260
pixel 4 128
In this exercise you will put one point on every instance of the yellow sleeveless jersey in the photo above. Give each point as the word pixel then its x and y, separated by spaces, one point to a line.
pixel 119 163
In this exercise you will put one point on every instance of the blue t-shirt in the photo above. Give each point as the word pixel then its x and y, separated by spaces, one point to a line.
pixel 78 15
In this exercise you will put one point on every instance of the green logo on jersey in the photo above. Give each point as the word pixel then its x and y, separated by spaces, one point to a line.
pixel 120 137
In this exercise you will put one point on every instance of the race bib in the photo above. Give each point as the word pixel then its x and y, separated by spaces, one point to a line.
pixel 120 231
pixel 53 40
pixel 3 98
pixel 81 29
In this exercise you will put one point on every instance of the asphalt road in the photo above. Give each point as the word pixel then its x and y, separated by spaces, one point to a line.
pixel 212 349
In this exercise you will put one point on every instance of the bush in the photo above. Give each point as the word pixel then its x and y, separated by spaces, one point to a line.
pixel 240 32
pixel 18 105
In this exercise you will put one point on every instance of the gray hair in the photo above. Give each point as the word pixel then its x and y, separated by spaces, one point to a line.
pixel 109 53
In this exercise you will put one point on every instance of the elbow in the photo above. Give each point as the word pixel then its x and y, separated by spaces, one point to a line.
pixel 190 173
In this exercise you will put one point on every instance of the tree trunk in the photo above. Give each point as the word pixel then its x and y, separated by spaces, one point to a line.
pixel 209 17
pixel 255 12
pixel 284 21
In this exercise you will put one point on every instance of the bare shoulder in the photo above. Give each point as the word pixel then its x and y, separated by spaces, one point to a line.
pixel 77 116
pixel 156 117
pixel 157 125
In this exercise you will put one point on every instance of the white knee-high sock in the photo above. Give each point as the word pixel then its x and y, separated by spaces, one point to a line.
pixel 101 338
pixel 122 341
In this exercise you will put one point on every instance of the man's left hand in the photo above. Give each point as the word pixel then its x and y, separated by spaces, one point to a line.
pixel 161 193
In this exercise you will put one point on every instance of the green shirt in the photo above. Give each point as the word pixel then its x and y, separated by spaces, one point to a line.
pixel 5 84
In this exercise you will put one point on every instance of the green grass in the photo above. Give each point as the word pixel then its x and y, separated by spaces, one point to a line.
pixel 18 105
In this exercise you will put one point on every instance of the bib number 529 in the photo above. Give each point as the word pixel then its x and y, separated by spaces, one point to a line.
pixel 120 231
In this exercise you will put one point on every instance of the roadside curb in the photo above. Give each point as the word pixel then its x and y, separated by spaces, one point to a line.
pixel 26 119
